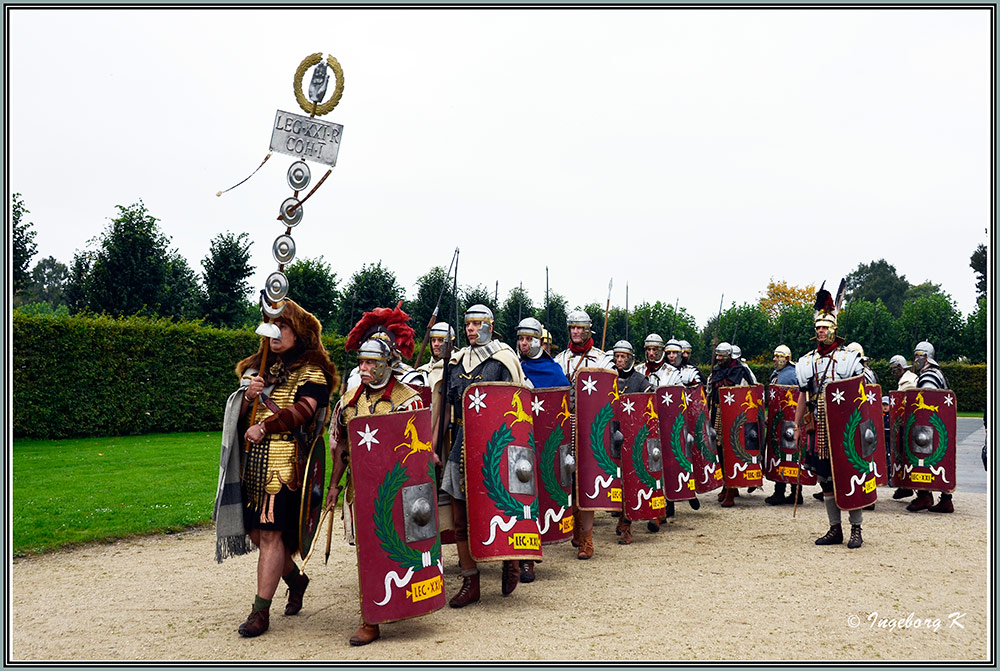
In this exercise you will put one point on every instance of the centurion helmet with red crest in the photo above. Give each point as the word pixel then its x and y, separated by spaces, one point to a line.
pixel 827 306
pixel 382 335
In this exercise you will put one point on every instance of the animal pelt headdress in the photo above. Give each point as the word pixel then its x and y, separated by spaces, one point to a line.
pixel 392 322
pixel 308 345
pixel 827 306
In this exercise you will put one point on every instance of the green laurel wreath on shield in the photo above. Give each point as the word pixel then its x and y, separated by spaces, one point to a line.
pixel 939 451
pixel 734 438
pixel 675 443
pixel 395 548
pixel 699 433
pixel 601 455
pixel 548 472
pixel 637 458
pixel 859 464
pixel 503 499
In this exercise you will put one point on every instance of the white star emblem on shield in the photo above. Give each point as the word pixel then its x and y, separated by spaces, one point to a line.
pixel 628 406
pixel 368 437
pixel 590 385
pixel 948 400
pixel 871 397
pixel 838 396
pixel 729 399
pixel 537 405
pixel 667 398
pixel 477 401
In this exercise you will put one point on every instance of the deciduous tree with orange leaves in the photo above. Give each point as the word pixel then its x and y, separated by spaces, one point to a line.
pixel 781 295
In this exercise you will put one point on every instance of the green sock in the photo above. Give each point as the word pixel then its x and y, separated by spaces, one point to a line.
pixel 292 576
pixel 260 604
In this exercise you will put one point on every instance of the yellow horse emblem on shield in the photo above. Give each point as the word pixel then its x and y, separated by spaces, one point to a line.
pixel 518 410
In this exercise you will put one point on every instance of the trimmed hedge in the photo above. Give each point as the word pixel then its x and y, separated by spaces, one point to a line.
pixel 80 376
pixel 968 381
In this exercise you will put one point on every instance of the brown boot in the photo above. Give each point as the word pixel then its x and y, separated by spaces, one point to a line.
pixel 856 540
pixel 943 506
pixel 469 593
pixel 527 571
pixel 626 535
pixel 722 494
pixel 923 501
pixel 256 624
pixel 586 550
pixel 295 593
pixel 509 577
pixel 576 533
pixel 834 536
pixel 365 634
pixel 621 525
pixel 727 501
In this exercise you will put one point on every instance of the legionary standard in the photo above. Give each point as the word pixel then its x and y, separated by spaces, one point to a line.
pixel 705 455
pixel 598 442
pixel 785 459
pixel 554 456
pixel 678 439
pixel 742 411
pixel 399 548
pixel 307 139
pixel 855 438
pixel 642 458
pixel 501 481
pixel 924 422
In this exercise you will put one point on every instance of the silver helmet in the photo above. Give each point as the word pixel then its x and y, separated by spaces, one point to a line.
pixel 724 348
pixel 685 347
pixel 735 352
pixel 923 354
pixel 625 347
pixel 898 360
pixel 673 346
pixel 529 326
pixel 654 340
pixel 481 313
pixel 782 356
pixel 580 318
pixel 443 330
pixel 377 350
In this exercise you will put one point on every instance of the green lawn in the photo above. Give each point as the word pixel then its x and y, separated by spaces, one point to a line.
pixel 91 489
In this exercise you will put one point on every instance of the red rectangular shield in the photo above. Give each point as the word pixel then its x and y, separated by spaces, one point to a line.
pixel 399 548
pixel 677 440
pixel 897 416
pixel 501 480
pixel 598 474
pixel 927 442
pixel 785 460
pixel 642 459
pixel 705 455
pixel 553 449
pixel 742 436
pixel 872 412
pixel 853 440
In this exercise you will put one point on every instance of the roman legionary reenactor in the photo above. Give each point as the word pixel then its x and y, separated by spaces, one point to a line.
pixel 581 352
pixel 260 495
pixel 630 381
pixel 400 369
pixel 542 372
pixel 690 375
pixel 829 362
pixel 379 393
pixel 656 359
pixel 929 376
pixel 484 360
pixel 727 372
pixel 428 376
pixel 784 375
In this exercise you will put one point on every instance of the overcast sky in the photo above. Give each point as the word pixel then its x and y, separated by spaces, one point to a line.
pixel 689 153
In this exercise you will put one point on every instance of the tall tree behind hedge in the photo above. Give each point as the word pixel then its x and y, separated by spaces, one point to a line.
pixel 875 280
pixel 552 314
pixel 226 269
pixel 23 244
pixel 871 325
pixel 313 285
pixel 517 304
pixel 974 333
pixel 936 319
pixel 180 297
pixel 48 282
pixel 371 287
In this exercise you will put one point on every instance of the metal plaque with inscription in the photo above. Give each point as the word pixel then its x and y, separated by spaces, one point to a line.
pixel 305 138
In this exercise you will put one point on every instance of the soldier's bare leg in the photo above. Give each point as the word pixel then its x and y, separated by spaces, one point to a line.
pixel 270 563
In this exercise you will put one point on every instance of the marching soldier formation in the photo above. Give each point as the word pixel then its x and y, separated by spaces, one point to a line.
pixel 585 431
